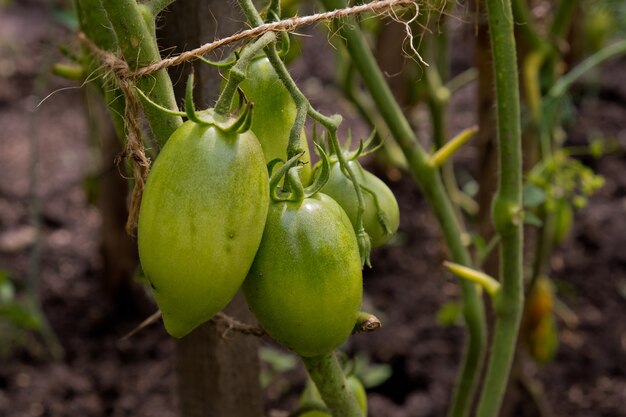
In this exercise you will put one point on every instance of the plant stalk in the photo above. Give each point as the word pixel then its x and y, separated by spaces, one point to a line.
pixel 432 186
pixel 331 383
pixel 507 207
pixel 134 26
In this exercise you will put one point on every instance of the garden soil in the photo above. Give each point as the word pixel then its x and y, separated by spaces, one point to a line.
pixel 46 155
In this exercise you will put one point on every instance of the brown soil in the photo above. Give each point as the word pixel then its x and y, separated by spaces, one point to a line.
pixel 100 375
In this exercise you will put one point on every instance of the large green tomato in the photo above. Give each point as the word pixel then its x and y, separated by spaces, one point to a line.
pixel 201 221
pixel 305 285
pixel 340 188
pixel 274 113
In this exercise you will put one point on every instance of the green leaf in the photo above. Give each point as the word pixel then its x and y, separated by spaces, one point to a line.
pixel 20 316
pixel 533 196
pixel 370 374
pixel 532 219
pixel 278 360
pixel 449 314
pixel 7 290
pixel 375 375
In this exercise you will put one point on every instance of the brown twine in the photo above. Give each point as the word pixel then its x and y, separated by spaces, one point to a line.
pixel 229 324
pixel 134 151
pixel 120 67
pixel 117 66
pixel 221 321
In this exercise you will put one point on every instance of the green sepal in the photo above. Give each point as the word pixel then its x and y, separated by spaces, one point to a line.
pixel 190 109
pixel 365 247
pixel 321 174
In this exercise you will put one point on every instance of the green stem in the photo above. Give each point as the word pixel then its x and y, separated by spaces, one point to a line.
pixel 430 181
pixel 238 73
pixel 507 207
pixel 562 17
pixel 157 6
pixel 566 81
pixel 331 383
pixel 134 26
pixel 304 108
pixel 95 24
pixel 524 23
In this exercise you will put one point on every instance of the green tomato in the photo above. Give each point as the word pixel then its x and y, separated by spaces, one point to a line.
pixel 340 188
pixel 201 220
pixel 274 113
pixel 305 285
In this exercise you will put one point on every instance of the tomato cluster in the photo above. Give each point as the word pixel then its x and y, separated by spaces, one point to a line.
pixel 212 221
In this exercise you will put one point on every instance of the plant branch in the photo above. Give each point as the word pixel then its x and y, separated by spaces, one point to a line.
pixel 430 182
pixel 137 42
pixel 157 6
pixel 507 208
pixel 331 383
pixel 566 81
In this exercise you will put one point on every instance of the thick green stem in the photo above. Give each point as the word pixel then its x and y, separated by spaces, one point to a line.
pixel 507 208
pixel 331 383
pixel 95 24
pixel 134 26
pixel 430 181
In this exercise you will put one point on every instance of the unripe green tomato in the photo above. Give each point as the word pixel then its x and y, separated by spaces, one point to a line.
pixel 341 189
pixel 274 113
pixel 354 385
pixel 201 220
pixel 305 285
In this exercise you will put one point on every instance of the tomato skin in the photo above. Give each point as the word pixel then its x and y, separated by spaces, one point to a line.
pixel 201 220
pixel 340 188
pixel 305 285
pixel 274 113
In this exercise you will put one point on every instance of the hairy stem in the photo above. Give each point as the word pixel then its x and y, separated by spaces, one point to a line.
pixel 432 186
pixel 134 26
pixel 507 207
pixel 331 383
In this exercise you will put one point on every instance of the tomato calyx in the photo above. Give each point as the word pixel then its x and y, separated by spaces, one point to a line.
pixel 226 124
pixel 293 189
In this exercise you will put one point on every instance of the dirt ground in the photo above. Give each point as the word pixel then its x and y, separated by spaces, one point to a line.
pixel 46 153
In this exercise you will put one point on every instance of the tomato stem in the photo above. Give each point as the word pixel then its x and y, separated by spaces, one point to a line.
pixel 432 186
pixel 133 24
pixel 238 73
pixel 506 207
pixel 331 383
